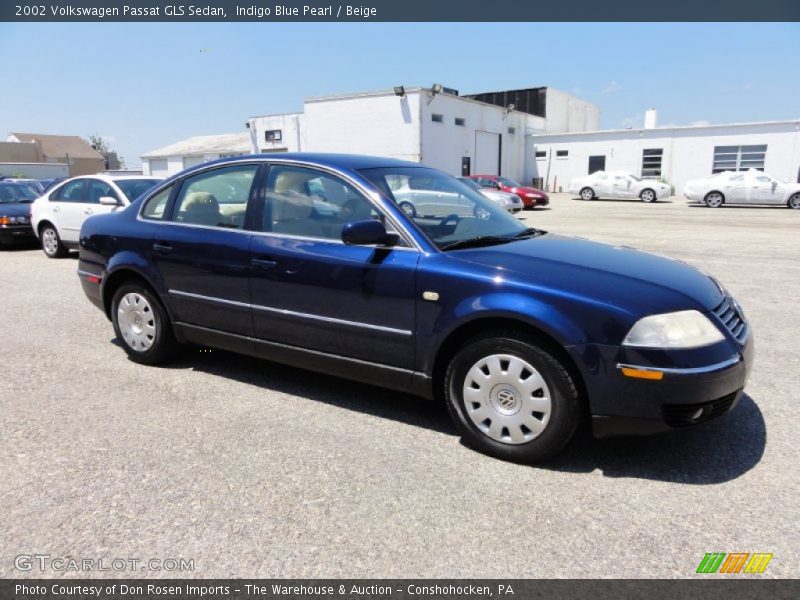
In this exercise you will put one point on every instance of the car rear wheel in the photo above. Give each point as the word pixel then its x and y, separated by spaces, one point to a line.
pixel 51 242
pixel 647 195
pixel 408 208
pixel 142 324
pixel 587 193
pixel 714 199
pixel 794 201
pixel 512 398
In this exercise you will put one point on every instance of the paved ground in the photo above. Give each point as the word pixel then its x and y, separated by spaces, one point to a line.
pixel 254 469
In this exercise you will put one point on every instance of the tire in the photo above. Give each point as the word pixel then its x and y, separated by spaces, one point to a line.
pixel 647 195
pixel 493 418
pixel 142 325
pixel 587 193
pixel 408 208
pixel 51 242
pixel 714 199
pixel 794 201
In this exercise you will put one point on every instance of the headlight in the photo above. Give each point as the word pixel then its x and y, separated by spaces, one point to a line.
pixel 684 329
pixel 530 195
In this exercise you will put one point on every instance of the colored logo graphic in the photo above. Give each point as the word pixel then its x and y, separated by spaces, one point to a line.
pixel 735 562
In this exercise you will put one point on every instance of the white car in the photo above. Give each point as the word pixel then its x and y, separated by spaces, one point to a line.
pixel 742 187
pixel 511 202
pixel 57 216
pixel 610 184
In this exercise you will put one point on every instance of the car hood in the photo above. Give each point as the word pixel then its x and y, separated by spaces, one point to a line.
pixel 636 282
pixel 15 209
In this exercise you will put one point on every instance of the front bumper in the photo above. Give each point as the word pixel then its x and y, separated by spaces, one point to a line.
pixel 676 397
pixel 11 234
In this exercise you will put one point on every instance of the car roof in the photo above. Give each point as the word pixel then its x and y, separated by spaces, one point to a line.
pixel 343 161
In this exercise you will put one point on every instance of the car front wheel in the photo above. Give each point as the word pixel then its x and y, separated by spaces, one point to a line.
pixel 408 208
pixel 51 242
pixel 794 201
pixel 714 199
pixel 587 193
pixel 512 398
pixel 648 196
pixel 142 324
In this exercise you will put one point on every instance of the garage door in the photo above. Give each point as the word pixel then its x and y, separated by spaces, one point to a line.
pixel 487 153
pixel 158 167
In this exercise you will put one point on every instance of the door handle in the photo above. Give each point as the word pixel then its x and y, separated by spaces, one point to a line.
pixel 88 211
pixel 56 209
pixel 162 248
pixel 265 263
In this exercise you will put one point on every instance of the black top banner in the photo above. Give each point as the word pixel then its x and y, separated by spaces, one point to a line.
pixel 399 10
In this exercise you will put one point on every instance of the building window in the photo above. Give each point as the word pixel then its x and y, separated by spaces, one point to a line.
pixel 651 162
pixel 460 122
pixel 273 135
pixel 437 118
pixel 562 153
pixel 512 130
pixel 541 154
pixel 738 158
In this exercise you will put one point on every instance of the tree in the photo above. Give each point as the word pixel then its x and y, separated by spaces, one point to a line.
pixel 104 148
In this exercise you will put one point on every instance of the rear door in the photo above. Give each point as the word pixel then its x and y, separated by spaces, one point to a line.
pixel 310 290
pixel 201 251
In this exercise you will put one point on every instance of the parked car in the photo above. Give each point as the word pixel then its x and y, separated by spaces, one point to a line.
pixel 511 202
pixel 742 187
pixel 57 215
pixel 15 208
pixel 530 196
pixel 610 184
pixel 520 331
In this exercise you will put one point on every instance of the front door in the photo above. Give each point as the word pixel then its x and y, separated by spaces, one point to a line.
pixel 312 291
pixel 202 252
pixel 765 190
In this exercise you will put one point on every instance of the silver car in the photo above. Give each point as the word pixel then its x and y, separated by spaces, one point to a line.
pixel 511 202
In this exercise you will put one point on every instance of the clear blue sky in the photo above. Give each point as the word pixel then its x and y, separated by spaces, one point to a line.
pixel 147 85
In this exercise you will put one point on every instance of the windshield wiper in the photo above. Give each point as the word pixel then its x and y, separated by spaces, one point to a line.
pixel 476 242
pixel 528 232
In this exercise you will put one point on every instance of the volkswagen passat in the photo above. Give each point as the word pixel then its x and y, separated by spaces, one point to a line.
pixel 308 260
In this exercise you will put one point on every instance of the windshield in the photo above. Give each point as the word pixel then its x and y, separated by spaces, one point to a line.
pixel 133 188
pixel 445 209
pixel 508 182
pixel 470 183
pixel 18 192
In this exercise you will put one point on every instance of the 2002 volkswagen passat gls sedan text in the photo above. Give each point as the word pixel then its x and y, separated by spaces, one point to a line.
pixel 308 260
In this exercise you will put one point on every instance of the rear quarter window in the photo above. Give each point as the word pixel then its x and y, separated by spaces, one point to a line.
pixel 155 208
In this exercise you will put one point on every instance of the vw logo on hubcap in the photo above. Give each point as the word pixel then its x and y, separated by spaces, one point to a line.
pixel 506 399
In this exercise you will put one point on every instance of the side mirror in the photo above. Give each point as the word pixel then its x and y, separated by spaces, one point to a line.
pixel 108 201
pixel 368 232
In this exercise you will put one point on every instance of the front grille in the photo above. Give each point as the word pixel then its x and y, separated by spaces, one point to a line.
pixel 732 318
pixel 684 415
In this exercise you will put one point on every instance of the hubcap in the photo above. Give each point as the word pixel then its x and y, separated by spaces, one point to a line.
pixel 794 202
pixel 507 399
pixel 587 195
pixel 407 208
pixel 714 200
pixel 136 321
pixel 49 241
pixel 647 196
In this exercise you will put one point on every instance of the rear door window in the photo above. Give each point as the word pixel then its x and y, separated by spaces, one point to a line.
pixel 216 198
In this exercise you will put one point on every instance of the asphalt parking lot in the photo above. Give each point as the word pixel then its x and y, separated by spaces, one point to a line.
pixel 253 469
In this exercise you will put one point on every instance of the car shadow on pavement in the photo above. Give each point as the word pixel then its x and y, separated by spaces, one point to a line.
pixel 714 452
pixel 342 393
pixel 622 200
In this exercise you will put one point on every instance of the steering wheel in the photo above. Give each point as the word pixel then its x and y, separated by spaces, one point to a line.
pixel 440 229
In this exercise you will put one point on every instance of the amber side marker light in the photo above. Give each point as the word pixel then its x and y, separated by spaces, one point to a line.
pixel 641 374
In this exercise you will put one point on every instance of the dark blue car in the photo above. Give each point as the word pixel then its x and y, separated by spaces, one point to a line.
pixel 308 260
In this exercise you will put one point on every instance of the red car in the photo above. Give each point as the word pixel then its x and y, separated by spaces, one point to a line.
pixel 531 197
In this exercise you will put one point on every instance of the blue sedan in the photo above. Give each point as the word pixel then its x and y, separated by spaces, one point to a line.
pixel 307 259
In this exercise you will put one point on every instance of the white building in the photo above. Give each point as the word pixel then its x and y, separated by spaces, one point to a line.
pixel 458 134
pixel 176 157
pixel 672 154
